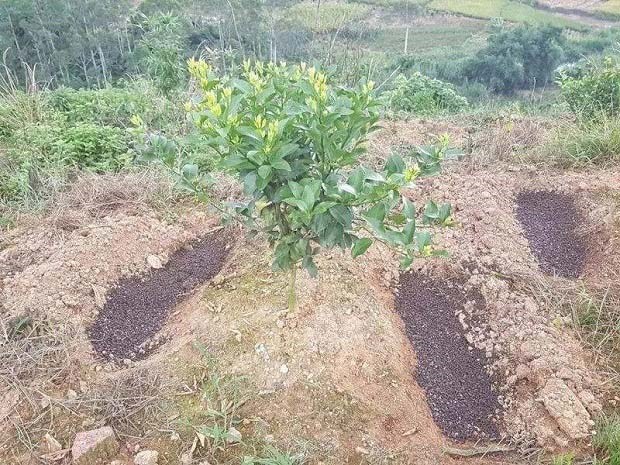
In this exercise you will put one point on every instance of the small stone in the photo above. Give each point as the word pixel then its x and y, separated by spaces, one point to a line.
pixel 261 350
pixel 284 369
pixel 234 435
pixel 71 394
pixel 94 447
pixel 99 295
pixel 362 451
pixel 280 323
pixel 146 457
pixel 154 261
pixel 51 444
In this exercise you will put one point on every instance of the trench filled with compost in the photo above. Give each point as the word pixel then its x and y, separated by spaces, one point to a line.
pixel 138 307
pixel 550 221
pixel 459 390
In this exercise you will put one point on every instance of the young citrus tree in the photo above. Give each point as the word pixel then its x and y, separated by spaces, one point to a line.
pixel 295 142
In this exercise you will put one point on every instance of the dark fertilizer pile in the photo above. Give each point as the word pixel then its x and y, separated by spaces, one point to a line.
pixel 550 221
pixel 137 308
pixel 458 388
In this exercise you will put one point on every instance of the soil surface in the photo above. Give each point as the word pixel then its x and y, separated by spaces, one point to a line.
pixel 550 220
pixel 459 390
pixel 138 307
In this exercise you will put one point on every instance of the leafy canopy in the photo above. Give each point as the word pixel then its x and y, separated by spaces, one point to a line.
pixel 595 92
pixel 295 142
pixel 518 58
pixel 423 95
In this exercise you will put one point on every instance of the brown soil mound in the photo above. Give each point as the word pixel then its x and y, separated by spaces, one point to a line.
pixel 139 306
pixel 550 220
pixel 459 389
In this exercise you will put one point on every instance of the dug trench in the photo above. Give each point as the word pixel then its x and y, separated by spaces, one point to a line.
pixel 550 221
pixel 137 308
pixel 466 401
pixel 460 392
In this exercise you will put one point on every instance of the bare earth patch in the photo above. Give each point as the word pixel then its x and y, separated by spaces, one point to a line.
pixel 337 378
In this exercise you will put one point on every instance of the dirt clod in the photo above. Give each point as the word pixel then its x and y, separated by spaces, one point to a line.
pixel 138 307
pixel 550 220
pixel 459 390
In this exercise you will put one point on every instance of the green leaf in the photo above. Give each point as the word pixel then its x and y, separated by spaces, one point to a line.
pixel 308 197
pixel 264 171
pixel 394 164
pixel 347 188
pixel 423 240
pixel 250 132
pixel 360 246
pixel 310 266
pixel 377 212
pixel 281 165
pixel 342 214
pixel 296 189
pixel 405 262
pixel 286 150
pixel 356 179
pixel 408 208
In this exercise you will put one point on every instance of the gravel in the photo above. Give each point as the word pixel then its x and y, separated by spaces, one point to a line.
pixel 550 220
pixel 138 307
pixel 459 390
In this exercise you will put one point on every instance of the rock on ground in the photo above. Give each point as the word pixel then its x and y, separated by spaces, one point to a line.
pixel 563 405
pixel 146 457
pixel 94 447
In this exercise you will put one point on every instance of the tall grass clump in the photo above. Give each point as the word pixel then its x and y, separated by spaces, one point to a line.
pixel 587 142
pixel 606 441
pixel 592 92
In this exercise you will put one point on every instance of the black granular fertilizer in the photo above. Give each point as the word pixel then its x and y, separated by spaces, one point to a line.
pixel 459 390
pixel 550 220
pixel 137 308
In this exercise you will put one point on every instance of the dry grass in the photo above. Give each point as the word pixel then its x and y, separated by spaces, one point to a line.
pixel 512 140
pixel 34 353
pixel 35 356
pixel 101 194
pixel 594 314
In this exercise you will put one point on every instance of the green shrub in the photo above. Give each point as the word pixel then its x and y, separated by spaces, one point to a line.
pixel 422 95
pixel 89 146
pixel 593 92
pixel 295 142
pixel 596 141
pixel 518 58
pixel 111 106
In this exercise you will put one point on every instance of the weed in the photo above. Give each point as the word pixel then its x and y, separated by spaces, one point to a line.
pixel 563 459
pixel 213 424
pixel 607 438
pixel 273 456
pixel 425 96
pixel 591 142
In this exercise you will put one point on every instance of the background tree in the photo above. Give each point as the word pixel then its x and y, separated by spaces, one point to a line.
pixel 518 58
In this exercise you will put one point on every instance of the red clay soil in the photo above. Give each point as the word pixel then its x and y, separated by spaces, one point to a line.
pixel 138 307
pixel 459 390
pixel 550 221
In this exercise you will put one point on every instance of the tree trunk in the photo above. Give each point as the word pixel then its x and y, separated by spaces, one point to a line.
pixel 292 297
